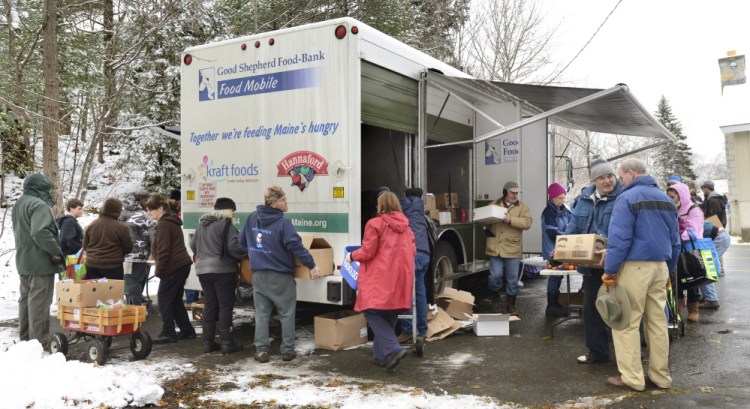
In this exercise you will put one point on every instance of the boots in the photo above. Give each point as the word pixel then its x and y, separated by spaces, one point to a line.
pixel 209 331
pixel 693 314
pixel 554 309
pixel 228 346
pixel 512 305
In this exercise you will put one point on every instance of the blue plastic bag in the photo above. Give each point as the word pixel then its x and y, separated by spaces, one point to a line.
pixel 350 271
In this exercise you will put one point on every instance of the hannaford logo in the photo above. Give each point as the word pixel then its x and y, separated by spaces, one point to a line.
pixel 302 166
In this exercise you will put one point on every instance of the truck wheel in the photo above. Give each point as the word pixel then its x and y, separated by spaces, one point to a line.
pixel 59 343
pixel 98 351
pixel 445 265
pixel 140 344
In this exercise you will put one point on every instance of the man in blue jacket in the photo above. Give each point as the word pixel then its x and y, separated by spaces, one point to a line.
pixel 591 215
pixel 272 243
pixel 642 248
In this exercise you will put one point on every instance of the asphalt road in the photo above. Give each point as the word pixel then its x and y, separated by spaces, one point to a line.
pixel 710 366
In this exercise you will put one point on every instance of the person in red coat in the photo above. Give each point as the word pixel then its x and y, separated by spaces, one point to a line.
pixel 386 276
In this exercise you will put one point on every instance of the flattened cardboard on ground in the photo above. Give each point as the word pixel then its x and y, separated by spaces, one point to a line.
pixel 441 325
pixel 715 221
pixel 489 214
pixel 340 329
pixel 456 303
pixel 492 325
pixel 322 253
pixel 580 249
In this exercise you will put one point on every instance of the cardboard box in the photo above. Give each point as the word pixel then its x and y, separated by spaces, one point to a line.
pixel 87 293
pixel 445 217
pixel 246 274
pixel 126 311
pixel 489 214
pixel 445 201
pixel 580 249
pixel 434 214
pixel 339 330
pixel 715 221
pixel 458 304
pixel 441 325
pixel 492 325
pixel 322 253
pixel 429 202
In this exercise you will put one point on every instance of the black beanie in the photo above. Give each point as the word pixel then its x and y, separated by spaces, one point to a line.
pixel 223 203
pixel 174 194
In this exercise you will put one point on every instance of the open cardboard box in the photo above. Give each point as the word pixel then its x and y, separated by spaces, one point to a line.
pixel 322 253
pixel 492 325
pixel 340 329
pixel 440 325
pixel 87 293
pixel 456 303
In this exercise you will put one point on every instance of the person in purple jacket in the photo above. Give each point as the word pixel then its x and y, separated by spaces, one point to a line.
pixel 642 248
pixel 272 243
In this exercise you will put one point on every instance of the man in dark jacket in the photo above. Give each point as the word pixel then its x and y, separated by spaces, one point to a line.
pixel 714 204
pixel 141 233
pixel 413 208
pixel 272 243
pixel 71 232
pixel 38 256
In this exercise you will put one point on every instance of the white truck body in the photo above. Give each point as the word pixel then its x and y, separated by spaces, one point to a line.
pixel 332 119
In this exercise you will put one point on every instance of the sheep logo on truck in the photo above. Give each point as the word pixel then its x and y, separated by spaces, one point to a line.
pixel 302 166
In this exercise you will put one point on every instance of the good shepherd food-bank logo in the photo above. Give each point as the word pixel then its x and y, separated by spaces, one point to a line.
pixel 302 167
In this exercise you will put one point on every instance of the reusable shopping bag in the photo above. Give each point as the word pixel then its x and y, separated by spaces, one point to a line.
pixel 696 265
pixel 75 266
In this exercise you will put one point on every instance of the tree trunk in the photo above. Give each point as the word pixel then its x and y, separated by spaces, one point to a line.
pixel 50 124
pixel 108 26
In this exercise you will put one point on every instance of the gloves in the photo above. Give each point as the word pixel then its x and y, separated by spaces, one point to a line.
pixel 488 233
pixel 609 280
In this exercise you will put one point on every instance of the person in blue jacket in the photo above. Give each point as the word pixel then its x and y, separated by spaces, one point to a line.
pixel 591 215
pixel 555 219
pixel 642 248
pixel 272 243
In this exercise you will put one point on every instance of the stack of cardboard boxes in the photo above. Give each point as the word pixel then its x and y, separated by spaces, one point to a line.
pixel 447 204
pixel 78 311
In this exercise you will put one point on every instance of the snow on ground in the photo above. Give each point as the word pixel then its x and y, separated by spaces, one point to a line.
pixel 39 380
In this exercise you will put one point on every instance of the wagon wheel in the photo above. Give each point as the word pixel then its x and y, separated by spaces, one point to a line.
pixel 98 351
pixel 419 347
pixel 107 340
pixel 140 344
pixel 59 343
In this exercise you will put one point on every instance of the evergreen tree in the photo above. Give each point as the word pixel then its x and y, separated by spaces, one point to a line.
pixel 672 158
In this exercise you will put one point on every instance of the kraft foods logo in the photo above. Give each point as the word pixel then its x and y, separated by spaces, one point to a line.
pixel 302 167
pixel 209 89
pixel 220 172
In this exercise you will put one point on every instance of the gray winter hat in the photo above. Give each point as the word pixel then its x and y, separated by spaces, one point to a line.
pixel 600 167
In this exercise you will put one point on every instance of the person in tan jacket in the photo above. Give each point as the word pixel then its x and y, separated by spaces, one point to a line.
pixel 504 246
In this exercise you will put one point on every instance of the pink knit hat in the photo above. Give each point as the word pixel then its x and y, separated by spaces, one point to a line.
pixel 555 190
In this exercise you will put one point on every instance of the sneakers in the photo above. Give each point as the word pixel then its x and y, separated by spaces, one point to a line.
pixel 710 305
pixel 405 339
pixel 164 339
pixel 288 356
pixel 261 357
pixel 183 335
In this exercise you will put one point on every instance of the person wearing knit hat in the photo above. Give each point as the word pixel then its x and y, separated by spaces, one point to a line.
pixel 600 167
pixel 591 215
pixel 107 241
pixel 674 179
pixel 217 251
pixel 555 219
pixel 504 246
pixel 175 201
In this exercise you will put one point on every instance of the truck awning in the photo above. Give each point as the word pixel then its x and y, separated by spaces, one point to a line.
pixel 613 111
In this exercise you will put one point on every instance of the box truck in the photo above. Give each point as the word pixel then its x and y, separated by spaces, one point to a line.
pixel 333 110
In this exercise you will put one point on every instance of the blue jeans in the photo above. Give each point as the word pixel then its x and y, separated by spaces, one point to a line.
pixel 504 267
pixel 421 264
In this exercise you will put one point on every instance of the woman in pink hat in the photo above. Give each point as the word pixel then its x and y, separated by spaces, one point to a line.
pixel 555 219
